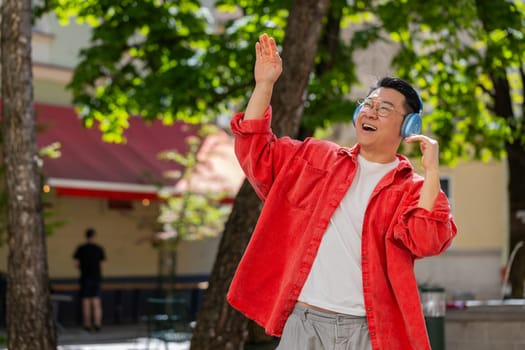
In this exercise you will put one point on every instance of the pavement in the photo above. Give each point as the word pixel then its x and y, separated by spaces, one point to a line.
pixel 112 337
pixel 120 337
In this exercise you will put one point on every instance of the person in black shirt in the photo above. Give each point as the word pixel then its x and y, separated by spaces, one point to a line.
pixel 89 258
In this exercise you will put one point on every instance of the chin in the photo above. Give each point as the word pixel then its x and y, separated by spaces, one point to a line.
pixel 365 139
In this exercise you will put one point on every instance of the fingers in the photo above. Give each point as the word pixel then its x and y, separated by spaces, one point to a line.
pixel 414 138
pixel 424 140
pixel 429 149
pixel 266 46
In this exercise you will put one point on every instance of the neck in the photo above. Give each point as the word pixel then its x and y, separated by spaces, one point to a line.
pixel 377 157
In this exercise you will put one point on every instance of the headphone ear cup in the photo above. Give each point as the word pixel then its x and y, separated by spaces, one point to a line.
pixel 356 113
pixel 411 125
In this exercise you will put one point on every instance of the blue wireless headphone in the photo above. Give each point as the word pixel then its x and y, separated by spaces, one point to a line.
pixel 411 124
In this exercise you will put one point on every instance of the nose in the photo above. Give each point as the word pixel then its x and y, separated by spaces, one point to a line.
pixel 372 112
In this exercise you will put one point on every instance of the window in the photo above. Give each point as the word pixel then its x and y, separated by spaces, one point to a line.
pixel 120 204
pixel 444 181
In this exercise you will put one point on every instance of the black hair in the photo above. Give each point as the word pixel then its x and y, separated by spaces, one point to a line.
pixel 412 100
pixel 90 233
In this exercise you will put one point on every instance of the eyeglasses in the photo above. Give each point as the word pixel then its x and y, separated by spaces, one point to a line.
pixel 383 108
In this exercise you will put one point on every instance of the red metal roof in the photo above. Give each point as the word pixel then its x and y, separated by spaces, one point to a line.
pixel 90 167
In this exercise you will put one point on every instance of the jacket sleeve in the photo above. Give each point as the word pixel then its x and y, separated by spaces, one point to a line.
pixel 422 232
pixel 260 153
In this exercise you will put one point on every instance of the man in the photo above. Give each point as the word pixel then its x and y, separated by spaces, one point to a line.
pixel 330 263
pixel 89 258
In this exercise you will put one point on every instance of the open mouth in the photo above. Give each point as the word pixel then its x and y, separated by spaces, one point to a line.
pixel 368 127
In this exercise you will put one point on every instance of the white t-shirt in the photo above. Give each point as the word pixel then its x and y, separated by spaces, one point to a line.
pixel 335 280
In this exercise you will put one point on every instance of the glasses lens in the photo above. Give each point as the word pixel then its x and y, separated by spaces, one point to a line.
pixel 368 104
pixel 384 109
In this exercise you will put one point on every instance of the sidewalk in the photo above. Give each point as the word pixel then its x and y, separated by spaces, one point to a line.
pixel 112 337
pixel 120 337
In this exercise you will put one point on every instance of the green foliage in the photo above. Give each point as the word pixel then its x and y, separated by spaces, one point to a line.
pixel 190 214
pixel 186 65
pixel 334 75
pixel 187 213
pixel 50 151
pixel 157 59
pixel 145 58
pixel 171 60
pixel 454 54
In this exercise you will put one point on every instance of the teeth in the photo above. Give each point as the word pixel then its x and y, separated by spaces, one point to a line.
pixel 369 127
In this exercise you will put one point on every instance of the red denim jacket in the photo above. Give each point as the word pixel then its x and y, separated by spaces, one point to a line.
pixel 302 184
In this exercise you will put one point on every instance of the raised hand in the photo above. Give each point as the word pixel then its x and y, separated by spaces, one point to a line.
pixel 268 63
pixel 268 68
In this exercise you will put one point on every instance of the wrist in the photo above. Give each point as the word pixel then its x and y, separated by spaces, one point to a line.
pixel 434 171
pixel 264 84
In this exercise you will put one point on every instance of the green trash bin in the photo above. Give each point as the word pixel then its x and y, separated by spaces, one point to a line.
pixel 434 307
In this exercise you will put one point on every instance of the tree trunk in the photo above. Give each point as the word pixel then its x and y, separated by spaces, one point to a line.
pixel 516 166
pixel 29 316
pixel 301 39
pixel 219 326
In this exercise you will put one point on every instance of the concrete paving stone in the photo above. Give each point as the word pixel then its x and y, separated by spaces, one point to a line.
pixel 136 344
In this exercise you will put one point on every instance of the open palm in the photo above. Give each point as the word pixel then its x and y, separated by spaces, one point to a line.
pixel 268 63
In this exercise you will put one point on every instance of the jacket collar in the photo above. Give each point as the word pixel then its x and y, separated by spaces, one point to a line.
pixel 404 163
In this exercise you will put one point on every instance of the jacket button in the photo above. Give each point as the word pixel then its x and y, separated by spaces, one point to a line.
pixel 372 334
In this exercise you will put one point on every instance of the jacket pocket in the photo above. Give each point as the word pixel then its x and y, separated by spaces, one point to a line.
pixel 388 209
pixel 302 183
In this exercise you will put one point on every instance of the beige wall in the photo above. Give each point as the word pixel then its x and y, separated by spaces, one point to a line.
pixel 117 231
pixel 471 267
pixel 479 203
pixel 58 45
pixel 51 92
pixel 123 233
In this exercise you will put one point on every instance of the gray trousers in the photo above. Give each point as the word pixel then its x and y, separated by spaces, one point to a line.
pixel 308 329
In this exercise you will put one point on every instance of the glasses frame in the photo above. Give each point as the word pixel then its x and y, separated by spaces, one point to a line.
pixel 376 104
